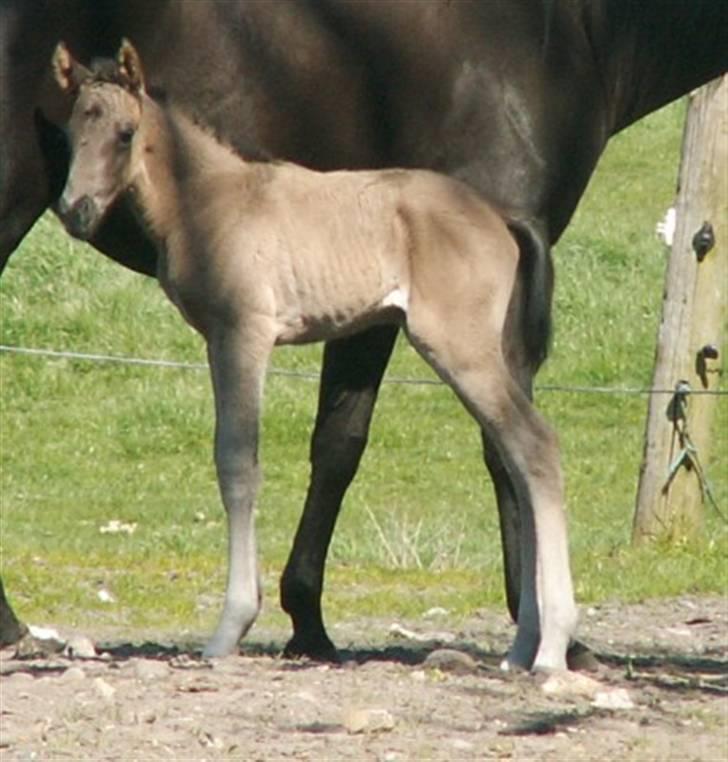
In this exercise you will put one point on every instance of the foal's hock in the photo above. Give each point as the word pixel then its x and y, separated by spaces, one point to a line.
pixel 259 254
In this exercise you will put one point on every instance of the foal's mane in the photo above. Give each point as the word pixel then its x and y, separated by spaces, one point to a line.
pixel 107 71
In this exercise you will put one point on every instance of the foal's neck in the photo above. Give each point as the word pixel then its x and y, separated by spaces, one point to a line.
pixel 178 164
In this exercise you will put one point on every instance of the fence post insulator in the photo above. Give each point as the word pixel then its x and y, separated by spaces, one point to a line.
pixel 677 406
pixel 705 353
pixel 703 241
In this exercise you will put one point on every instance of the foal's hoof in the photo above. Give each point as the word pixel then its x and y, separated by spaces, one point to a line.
pixel 318 649
pixel 220 646
pixel 579 658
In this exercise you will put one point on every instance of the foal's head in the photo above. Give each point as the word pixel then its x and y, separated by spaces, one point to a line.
pixel 103 128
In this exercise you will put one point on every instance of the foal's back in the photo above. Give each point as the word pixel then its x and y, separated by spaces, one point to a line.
pixel 339 251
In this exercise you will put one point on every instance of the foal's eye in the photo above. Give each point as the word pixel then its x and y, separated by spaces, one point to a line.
pixel 126 135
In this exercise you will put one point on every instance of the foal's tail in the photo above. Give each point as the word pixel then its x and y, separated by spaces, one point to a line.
pixel 536 274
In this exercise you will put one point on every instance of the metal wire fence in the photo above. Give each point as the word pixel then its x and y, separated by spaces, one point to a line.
pixel 312 375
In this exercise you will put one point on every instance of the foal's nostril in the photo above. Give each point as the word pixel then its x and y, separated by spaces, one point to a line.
pixel 79 218
pixel 85 210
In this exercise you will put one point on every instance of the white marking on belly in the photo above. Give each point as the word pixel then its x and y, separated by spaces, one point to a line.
pixel 399 297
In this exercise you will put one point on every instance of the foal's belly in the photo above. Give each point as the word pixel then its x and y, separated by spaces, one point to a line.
pixel 321 322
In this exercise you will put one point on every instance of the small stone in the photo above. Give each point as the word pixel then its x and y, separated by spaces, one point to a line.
pixel 209 740
pixel 571 684
pixel 43 633
pixel 105 596
pixel 149 669
pixel 435 611
pixel 80 647
pixel 20 677
pixel 104 689
pixel 397 630
pixel 30 647
pixel 367 720
pixel 305 696
pixel 615 699
pixel 450 660
pixel 72 674
pixel 147 716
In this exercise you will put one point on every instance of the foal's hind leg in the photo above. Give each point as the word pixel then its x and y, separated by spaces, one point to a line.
pixel 238 368
pixel 546 609
pixel 529 452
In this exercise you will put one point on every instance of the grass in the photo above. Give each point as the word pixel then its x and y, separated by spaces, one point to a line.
pixel 83 443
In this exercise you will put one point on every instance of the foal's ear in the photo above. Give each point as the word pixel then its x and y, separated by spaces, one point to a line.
pixel 68 73
pixel 131 66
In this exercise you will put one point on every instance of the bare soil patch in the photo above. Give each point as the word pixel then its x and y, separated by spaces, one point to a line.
pixel 418 691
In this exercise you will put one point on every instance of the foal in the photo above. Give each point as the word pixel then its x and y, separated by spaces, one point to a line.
pixel 259 254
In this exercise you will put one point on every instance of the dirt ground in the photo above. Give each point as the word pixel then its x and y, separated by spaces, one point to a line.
pixel 413 690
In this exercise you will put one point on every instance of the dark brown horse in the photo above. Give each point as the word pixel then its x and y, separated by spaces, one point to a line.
pixel 516 97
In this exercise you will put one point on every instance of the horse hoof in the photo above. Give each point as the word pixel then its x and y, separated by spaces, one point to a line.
pixel 318 649
pixel 12 631
pixel 220 647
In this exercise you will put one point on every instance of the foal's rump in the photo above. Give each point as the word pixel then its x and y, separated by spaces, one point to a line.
pixel 463 259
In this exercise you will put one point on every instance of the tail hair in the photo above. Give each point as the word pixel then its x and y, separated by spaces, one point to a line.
pixel 536 273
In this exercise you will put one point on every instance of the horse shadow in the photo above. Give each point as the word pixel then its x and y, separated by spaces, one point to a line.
pixel 669 669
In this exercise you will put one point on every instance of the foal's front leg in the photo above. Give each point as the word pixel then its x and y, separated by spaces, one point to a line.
pixel 238 368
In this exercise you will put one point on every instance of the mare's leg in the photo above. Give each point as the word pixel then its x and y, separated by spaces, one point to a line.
pixel 25 191
pixel 11 629
pixel 33 168
pixel 350 379
pixel 238 368
pixel 509 519
pixel 30 174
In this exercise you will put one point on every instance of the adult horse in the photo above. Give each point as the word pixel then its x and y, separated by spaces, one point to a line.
pixel 516 97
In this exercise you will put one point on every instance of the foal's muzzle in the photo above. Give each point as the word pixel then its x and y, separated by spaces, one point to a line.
pixel 80 218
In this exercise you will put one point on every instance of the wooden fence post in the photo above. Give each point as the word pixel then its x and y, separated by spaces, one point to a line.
pixel 692 332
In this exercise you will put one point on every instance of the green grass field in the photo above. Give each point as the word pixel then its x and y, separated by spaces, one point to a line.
pixel 84 443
